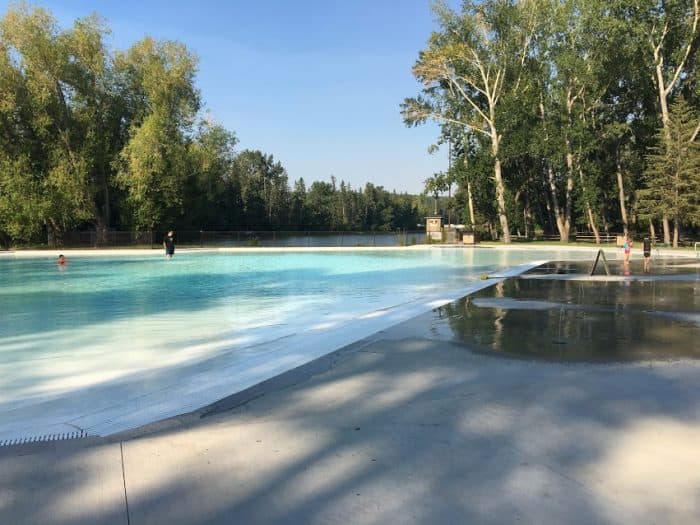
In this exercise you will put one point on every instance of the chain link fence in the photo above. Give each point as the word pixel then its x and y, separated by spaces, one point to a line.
pixel 216 239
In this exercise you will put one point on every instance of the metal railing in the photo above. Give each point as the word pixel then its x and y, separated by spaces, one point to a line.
pixel 605 237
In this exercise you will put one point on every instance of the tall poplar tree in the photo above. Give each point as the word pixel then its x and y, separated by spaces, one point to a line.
pixel 155 163
pixel 470 65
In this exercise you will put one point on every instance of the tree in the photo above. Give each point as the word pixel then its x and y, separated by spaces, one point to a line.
pixel 476 60
pixel 210 198
pixel 297 216
pixel 434 186
pixel 263 189
pixel 319 206
pixel 572 72
pixel 670 30
pixel 155 164
pixel 673 173
pixel 51 86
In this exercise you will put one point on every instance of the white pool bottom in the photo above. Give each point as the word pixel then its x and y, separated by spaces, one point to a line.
pixel 192 378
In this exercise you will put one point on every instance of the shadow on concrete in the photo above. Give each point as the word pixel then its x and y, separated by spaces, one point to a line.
pixel 402 431
pixel 404 428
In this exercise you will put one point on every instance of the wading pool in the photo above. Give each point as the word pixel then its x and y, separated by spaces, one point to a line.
pixel 112 342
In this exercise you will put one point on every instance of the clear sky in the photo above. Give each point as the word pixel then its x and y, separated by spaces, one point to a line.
pixel 316 83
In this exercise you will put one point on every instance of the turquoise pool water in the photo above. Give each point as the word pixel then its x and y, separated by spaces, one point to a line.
pixel 108 343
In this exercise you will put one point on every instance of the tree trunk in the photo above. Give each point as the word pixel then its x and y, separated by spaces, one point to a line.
pixel 55 234
pixel 652 231
pixel 527 215
pixel 562 226
pixel 667 230
pixel 500 187
pixel 569 194
pixel 498 177
pixel 501 199
pixel 550 216
pixel 589 210
pixel 470 201
pixel 663 104
pixel 591 223
pixel 569 167
pixel 470 198
pixel 621 193
pixel 562 220
pixel 676 231
pixel 107 210
pixel 449 204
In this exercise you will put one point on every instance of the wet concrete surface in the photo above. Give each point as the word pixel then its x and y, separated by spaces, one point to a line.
pixel 582 319
pixel 635 268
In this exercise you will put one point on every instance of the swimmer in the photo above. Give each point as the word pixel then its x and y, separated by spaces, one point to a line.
pixel 62 261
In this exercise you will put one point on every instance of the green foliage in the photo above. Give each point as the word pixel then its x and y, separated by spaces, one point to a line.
pixel 672 181
pixel 94 139
pixel 45 173
pixel 574 116
pixel 547 106
pixel 21 205
pixel 156 162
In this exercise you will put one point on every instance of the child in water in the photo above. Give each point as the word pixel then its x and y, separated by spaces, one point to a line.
pixel 627 246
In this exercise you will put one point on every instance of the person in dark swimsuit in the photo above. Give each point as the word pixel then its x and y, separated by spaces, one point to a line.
pixel 646 247
pixel 169 244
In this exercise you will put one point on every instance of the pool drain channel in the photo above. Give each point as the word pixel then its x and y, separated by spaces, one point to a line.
pixel 61 436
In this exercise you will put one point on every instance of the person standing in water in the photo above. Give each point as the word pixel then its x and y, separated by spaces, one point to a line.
pixel 169 244
pixel 646 247
pixel 627 246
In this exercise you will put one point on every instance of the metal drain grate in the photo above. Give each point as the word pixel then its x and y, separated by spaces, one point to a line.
pixel 61 436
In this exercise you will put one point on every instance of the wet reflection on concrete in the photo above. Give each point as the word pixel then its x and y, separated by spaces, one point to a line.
pixel 635 268
pixel 580 320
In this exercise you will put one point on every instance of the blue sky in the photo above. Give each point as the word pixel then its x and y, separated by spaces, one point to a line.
pixel 316 83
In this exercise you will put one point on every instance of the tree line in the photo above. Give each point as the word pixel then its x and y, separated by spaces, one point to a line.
pixel 566 115
pixel 97 139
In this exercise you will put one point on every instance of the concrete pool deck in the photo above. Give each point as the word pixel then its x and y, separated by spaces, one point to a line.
pixel 404 426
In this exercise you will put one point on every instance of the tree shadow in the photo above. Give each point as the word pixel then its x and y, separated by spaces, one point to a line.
pixel 405 431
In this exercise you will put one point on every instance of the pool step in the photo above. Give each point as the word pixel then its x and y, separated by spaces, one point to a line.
pixel 61 436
